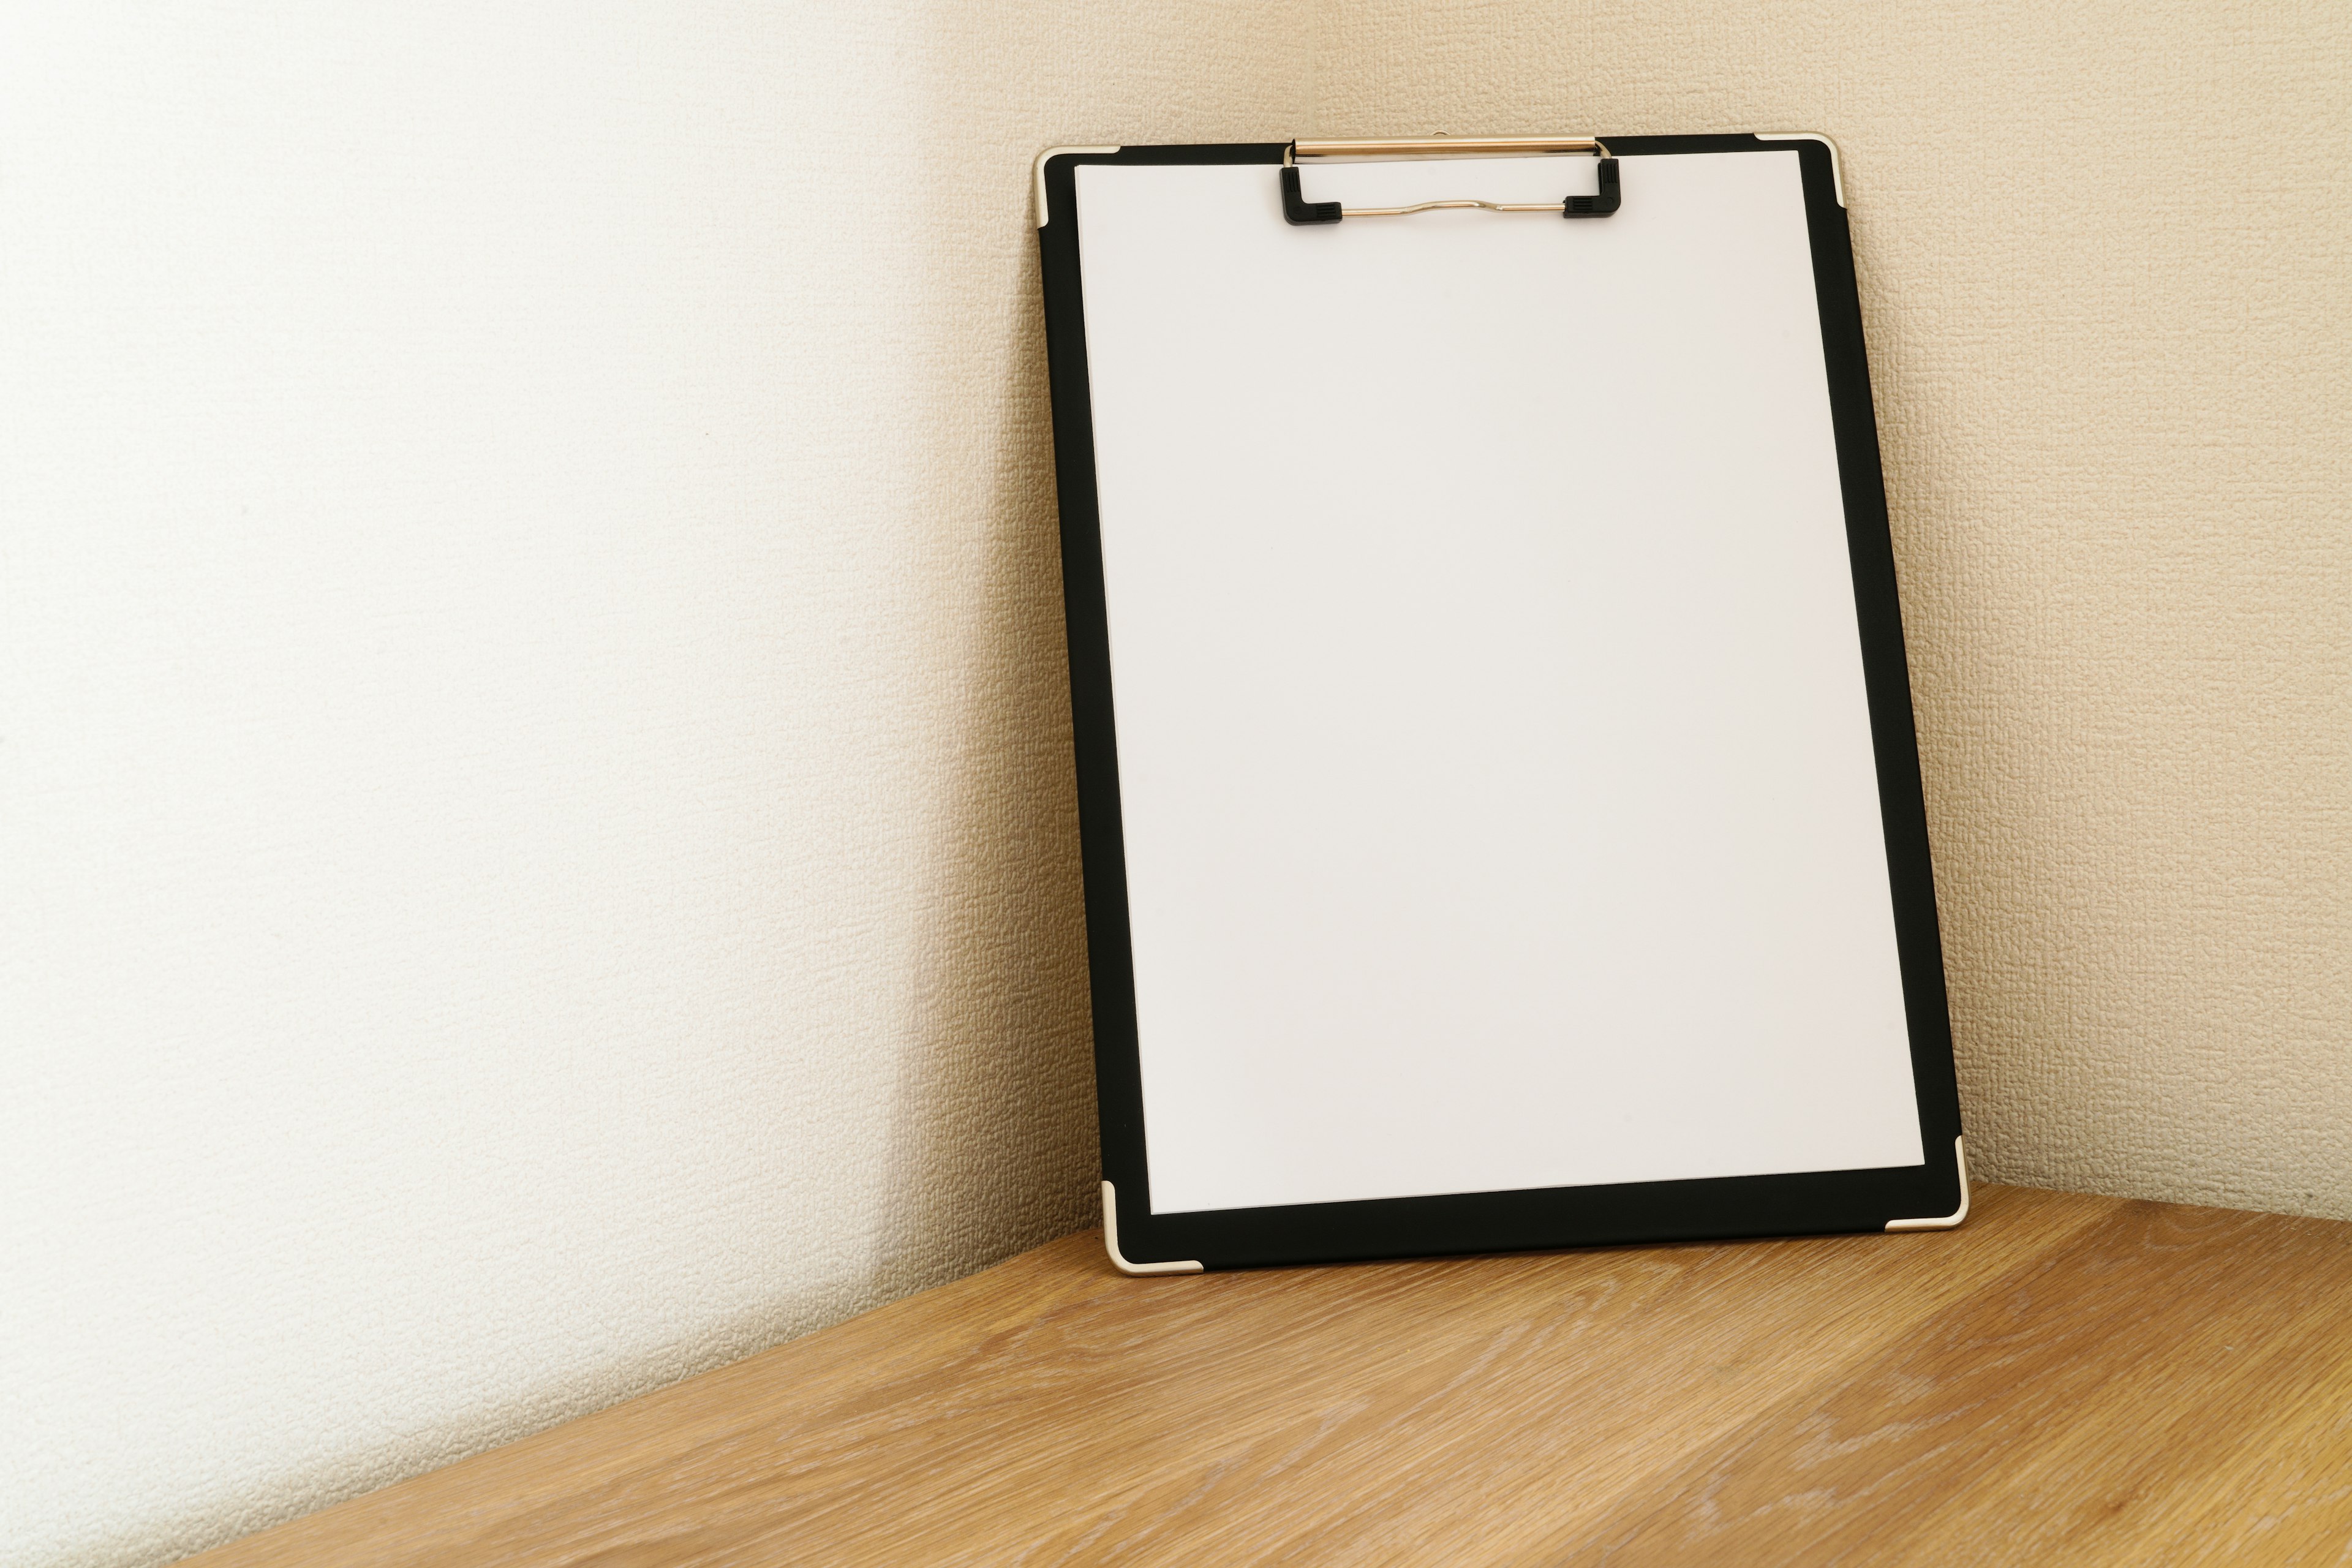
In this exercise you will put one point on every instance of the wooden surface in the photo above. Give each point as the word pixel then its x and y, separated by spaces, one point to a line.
pixel 2065 1380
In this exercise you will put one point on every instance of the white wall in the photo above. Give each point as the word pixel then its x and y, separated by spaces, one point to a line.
pixel 535 851
pixel 534 799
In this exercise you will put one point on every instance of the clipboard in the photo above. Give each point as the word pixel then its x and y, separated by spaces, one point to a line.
pixel 1499 792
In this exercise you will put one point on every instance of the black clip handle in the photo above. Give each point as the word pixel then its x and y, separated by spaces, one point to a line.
pixel 1606 202
pixel 1297 208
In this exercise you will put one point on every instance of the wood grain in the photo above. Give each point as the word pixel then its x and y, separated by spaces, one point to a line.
pixel 2065 1379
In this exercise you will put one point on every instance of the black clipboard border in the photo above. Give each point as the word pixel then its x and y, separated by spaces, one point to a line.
pixel 1802 1204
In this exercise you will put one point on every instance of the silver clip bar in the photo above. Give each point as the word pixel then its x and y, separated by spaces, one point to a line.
pixel 1297 209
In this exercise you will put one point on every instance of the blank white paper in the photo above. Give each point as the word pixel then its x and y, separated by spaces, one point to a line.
pixel 1496 773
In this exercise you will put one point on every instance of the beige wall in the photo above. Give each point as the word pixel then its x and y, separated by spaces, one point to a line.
pixel 2105 254
pixel 533 769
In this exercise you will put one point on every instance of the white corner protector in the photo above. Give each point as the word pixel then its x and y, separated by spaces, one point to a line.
pixel 1959 1158
pixel 1110 1193
pixel 1039 170
pixel 1837 175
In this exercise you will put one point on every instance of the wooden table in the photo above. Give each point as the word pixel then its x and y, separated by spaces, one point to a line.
pixel 2064 1381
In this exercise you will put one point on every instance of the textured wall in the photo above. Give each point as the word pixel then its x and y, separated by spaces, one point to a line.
pixel 534 792
pixel 2106 265
pixel 532 761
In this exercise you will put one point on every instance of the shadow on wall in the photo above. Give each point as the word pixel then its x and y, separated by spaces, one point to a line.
pixel 994 1132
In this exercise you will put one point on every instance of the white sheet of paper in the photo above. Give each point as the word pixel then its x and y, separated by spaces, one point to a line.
pixel 1496 774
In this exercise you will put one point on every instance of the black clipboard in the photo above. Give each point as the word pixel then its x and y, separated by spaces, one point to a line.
pixel 1143 1238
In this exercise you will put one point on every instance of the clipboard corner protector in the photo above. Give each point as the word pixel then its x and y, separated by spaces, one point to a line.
pixel 1949 1222
pixel 1110 1192
pixel 1837 170
pixel 1038 170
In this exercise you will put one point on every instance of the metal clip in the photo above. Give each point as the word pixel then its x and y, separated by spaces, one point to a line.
pixel 1297 209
